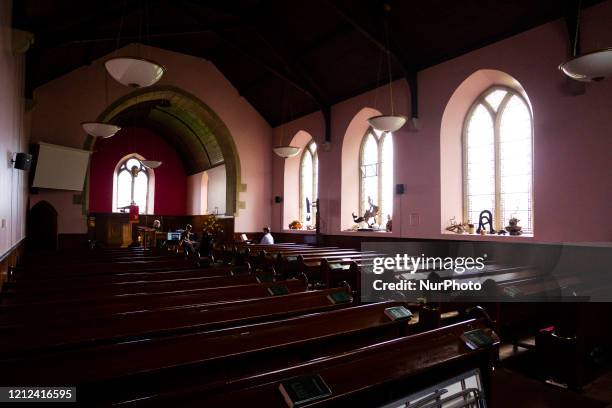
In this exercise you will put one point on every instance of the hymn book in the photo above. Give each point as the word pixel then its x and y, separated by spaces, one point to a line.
pixel 398 313
pixel 476 339
pixel 278 290
pixel 302 390
pixel 339 297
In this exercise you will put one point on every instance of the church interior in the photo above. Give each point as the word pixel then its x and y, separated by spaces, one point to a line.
pixel 322 203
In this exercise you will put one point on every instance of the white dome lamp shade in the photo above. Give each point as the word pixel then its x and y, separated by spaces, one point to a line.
pixel 591 67
pixel 151 164
pixel 286 151
pixel 387 123
pixel 134 72
pixel 100 129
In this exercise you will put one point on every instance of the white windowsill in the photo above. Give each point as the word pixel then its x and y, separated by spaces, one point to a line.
pixel 495 237
pixel 299 232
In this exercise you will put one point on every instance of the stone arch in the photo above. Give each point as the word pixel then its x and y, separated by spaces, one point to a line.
pixel 199 135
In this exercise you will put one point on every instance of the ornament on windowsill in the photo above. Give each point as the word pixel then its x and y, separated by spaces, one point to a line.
pixel 458 228
pixel 295 225
pixel 389 226
pixel 485 218
pixel 370 213
pixel 513 228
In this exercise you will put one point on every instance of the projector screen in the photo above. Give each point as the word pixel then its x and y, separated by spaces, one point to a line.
pixel 61 168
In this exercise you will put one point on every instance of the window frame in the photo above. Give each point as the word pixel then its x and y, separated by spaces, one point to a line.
pixel 121 167
pixel 496 119
pixel 379 146
pixel 315 182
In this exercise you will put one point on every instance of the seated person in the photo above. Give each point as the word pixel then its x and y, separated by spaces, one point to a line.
pixel 188 242
pixel 157 225
pixel 267 239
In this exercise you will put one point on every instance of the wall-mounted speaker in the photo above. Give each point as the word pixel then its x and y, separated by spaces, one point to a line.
pixel 23 161
pixel 399 189
pixel 278 199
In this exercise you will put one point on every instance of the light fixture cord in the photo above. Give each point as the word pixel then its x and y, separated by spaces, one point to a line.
pixel 577 31
pixel 386 25
pixel 120 26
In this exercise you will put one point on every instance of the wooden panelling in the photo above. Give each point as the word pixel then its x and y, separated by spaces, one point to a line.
pixel 9 260
pixel 107 228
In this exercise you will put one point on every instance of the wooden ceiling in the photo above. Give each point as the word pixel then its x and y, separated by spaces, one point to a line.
pixel 287 58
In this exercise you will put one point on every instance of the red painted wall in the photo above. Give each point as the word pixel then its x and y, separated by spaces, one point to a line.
pixel 170 178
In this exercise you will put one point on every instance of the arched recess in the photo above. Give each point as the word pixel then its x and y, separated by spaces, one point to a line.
pixel 42 227
pixel 291 188
pixel 199 135
pixel 351 145
pixel 451 130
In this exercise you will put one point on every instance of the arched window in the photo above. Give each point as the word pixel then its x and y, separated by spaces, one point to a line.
pixel 132 185
pixel 309 176
pixel 497 158
pixel 376 171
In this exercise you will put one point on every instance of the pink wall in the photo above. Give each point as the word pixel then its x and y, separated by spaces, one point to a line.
pixel 170 178
pixel 79 96
pixel 572 140
pixel 13 137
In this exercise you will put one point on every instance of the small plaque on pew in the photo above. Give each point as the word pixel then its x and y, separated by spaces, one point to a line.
pixel 278 290
pixel 264 278
pixel 300 391
pixel 339 297
pixel 398 313
pixel 336 266
pixel 291 258
pixel 476 339
pixel 512 291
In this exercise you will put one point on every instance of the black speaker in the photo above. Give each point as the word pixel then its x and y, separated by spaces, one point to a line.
pixel 278 199
pixel 399 189
pixel 23 161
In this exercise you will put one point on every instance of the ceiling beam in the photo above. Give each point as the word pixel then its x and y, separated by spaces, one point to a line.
pixel 408 69
pixel 261 20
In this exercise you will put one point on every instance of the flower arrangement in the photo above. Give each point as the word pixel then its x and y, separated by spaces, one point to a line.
pixel 212 225
pixel 295 225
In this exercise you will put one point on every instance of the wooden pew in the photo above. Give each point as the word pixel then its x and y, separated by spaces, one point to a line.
pixel 81 333
pixel 12 314
pixel 77 296
pixel 372 375
pixel 197 358
pixel 97 281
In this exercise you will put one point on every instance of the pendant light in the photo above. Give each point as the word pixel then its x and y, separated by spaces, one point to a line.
pixel 590 67
pixel 284 151
pixel 392 122
pixel 134 71
pixel 101 129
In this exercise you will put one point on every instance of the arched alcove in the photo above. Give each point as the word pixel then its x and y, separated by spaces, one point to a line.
pixel 351 144
pixel 42 227
pixel 451 131
pixel 291 187
pixel 197 133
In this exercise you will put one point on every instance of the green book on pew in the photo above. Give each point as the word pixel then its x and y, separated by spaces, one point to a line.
pixel 278 290
pixel 339 297
pixel 476 339
pixel 264 278
pixel 398 313
pixel 303 390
